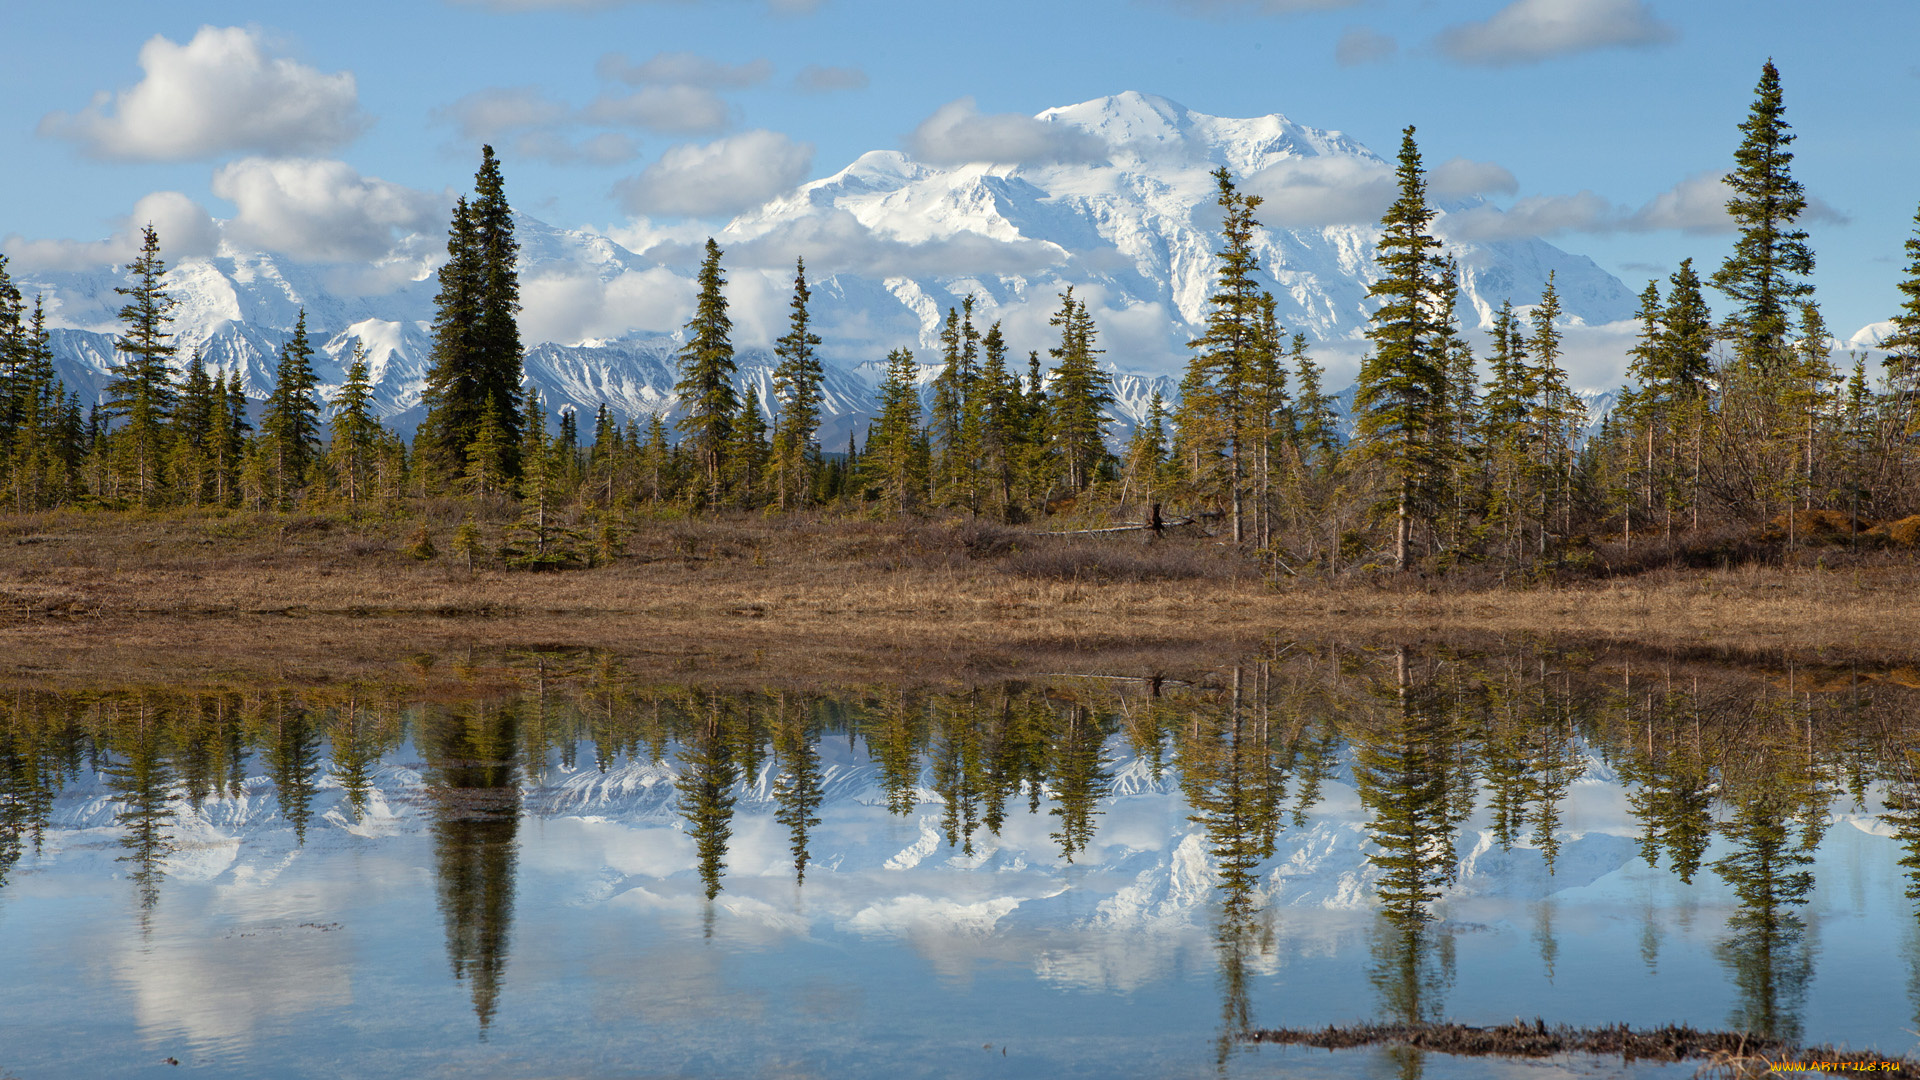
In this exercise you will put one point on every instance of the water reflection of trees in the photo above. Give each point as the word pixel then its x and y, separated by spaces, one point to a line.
pixel 1426 736
pixel 473 796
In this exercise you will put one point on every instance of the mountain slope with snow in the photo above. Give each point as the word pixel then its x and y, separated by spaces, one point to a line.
pixel 1130 223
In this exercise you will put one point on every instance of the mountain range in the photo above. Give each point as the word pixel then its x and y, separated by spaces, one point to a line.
pixel 1118 203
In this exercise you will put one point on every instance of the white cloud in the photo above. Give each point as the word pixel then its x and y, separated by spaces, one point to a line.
pixel 685 69
pixel 833 241
pixel 1529 31
pixel 719 177
pixel 1310 192
pixel 1536 215
pixel 575 303
pixel 957 133
pixel 1459 178
pixel 678 110
pixel 815 79
pixel 321 211
pixel 487 115
pixel 1697 204
pixel 216 94
pixel 533 125
pixel 1364 45
pixel 606 148
pixel 184 227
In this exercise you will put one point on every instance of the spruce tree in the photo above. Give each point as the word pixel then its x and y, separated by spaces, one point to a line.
pixel 606 458
pixel 497 334
pixel 193 428
pixel 796 379
pixel 1147 454
pixel 1461 451
pixel 13 354
pixel 1765 276
pixel 891 459
pixel 750 453
pixel 1557 415
pixel 657 465
pixel 229 443
pixel 1081 395
pixel 476 363
pixel 707 401
pixel 1402 386
pixel 486 456
pixel 955 422
pixel 997 403
pixel 1036 469
pixel 356 431
pixel 1903 345
pixel 1222 371
pixel 290 424
pixel 141 390
pixel 452 396
pixel 1507 431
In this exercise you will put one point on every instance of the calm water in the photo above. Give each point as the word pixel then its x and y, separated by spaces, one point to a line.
pixel 539 867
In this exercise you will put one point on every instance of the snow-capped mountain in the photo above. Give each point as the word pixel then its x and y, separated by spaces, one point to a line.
pixel 1128 220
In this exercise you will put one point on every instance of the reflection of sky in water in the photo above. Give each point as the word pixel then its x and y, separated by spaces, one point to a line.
pixel 900 956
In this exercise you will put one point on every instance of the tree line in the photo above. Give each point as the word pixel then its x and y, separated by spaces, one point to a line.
pixel 1455 454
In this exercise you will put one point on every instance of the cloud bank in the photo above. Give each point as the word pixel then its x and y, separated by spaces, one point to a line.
pixel 1529 31
pixel 958 133
pixel 219 93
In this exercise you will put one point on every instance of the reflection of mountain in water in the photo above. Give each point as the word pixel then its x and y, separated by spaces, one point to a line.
pixel 1399 783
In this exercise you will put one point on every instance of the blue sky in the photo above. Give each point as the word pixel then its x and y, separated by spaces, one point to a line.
pixel 1597 108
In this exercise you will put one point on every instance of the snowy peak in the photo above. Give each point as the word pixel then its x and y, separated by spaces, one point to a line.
pixel 1128 220
pixel 1144 127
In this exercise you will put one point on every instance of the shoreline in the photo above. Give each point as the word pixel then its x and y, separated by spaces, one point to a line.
pixel 894 623
pixel 319 598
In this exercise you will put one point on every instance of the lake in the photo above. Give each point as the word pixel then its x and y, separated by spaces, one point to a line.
pixel 532 864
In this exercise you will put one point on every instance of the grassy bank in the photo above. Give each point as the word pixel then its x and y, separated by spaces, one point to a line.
pixel 319 593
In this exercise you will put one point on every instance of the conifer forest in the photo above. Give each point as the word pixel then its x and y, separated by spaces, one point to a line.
pixel 1741 435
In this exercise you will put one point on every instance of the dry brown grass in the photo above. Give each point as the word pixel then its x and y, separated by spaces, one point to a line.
pixel 317 595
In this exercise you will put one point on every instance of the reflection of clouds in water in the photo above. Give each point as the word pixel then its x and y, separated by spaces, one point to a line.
pixel 223 986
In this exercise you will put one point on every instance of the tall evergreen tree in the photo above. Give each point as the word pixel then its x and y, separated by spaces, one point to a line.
pixel 475 364
pixel 193 427
pixel 751 453
pixel 1903 345
pixel 497 333
pixel 1557 415
pixel 141 390
pixel 1221 373
pixel 891 459
pixel 997 404
pixel 705 388
pixel 1765 276
pixel 796 379
pixel 452 396
pixel 1403 381
pixel 13 353
pixel 1081 395
pixel 356 431
pixel 290 425
pixel 1506 430
pixel 956 419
